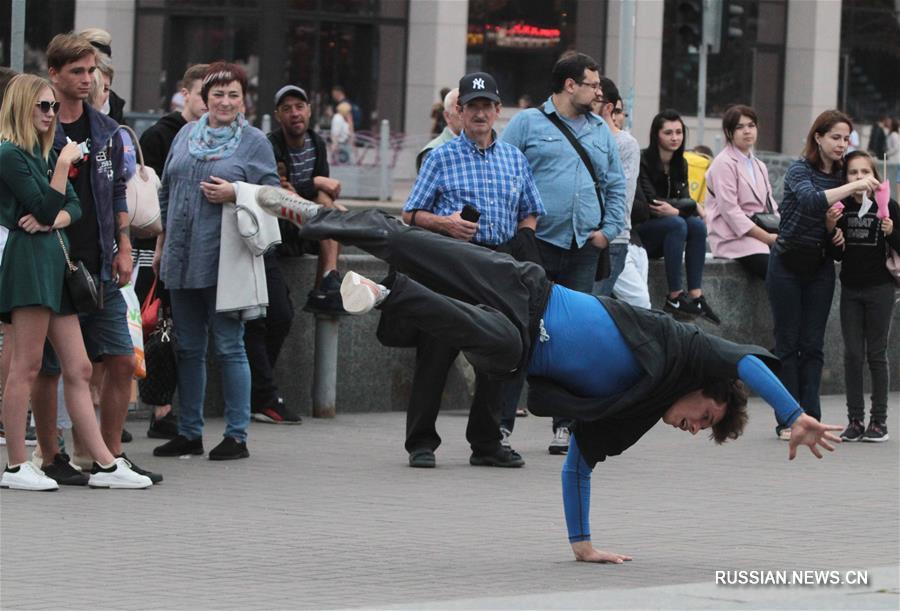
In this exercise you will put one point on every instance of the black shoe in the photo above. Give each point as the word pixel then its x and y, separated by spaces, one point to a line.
pixel 423 458
pixel 854 431
pixel 503 457
pixel 229 449
pixel 164 428
pixel 327 298
pixel 63 473
pixel 706 311
pixel 126 436
pixel 681 307
pixel 154 477
pixel 180 446
pixel 876 431
pixel 277 414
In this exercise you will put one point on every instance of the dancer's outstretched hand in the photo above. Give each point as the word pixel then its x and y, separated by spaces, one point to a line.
pixel 585 552
pixel 808 431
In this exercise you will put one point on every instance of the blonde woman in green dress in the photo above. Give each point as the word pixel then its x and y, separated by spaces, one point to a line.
pixel 36 200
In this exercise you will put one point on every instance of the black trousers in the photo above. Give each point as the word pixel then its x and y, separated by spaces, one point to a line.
pixel 264 337
pixel 461 296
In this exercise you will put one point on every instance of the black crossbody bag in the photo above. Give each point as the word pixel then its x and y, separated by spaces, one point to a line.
pixel 603 263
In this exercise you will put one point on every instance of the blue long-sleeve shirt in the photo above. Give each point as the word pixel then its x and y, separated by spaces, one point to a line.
pixel 804 204
pixel 565 184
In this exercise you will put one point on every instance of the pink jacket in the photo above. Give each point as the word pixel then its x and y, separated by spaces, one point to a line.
pixel 731 197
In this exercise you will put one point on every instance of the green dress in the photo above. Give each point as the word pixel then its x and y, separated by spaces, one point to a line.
pixel 33 268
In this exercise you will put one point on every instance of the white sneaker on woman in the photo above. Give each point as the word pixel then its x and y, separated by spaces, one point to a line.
pixel 118 475
pixel 26 477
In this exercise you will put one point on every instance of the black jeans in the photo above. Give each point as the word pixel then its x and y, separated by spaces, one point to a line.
pixel 866 324
pixel 465 297
pixel 264 337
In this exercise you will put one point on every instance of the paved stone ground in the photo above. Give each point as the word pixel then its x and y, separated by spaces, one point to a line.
pixel 328 515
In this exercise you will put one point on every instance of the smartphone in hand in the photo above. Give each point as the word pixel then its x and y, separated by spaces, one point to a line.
pixel 470 213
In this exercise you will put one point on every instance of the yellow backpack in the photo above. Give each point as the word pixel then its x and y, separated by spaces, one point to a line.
pixel 697 164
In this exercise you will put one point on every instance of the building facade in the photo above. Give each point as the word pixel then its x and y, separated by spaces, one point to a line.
pixel 790 59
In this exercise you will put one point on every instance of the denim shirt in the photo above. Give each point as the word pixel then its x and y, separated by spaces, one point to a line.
pixel 565 184
pixel 193 225
pixel 497 181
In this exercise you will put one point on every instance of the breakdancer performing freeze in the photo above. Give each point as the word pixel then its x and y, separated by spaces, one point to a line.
pixel 616 370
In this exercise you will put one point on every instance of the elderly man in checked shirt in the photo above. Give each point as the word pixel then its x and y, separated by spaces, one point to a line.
pixel 494 178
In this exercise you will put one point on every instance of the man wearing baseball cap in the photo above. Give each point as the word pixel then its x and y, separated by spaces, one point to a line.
pixel 302 162
pixel 493 181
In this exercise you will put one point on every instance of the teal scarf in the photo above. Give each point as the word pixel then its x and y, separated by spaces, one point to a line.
pixel 211 143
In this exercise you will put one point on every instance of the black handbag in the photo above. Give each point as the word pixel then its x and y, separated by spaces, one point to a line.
pixel 158 387
pixel 801 259
pixel 685 205
pixel 767 221
pixel 81 284
pixel 604 266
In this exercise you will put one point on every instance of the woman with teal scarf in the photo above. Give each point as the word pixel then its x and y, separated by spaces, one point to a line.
pixel 206 157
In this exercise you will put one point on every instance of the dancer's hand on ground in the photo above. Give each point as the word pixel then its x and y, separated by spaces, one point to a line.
pixel 218 190
pixel 457 227
pixel 586 552
pixel 808 431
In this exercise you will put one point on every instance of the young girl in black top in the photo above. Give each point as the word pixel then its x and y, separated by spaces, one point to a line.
pixel 860 239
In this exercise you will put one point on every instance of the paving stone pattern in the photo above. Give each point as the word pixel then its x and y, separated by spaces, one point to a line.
pixel 329 515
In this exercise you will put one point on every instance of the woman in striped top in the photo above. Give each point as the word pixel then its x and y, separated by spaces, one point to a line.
pixel 800 278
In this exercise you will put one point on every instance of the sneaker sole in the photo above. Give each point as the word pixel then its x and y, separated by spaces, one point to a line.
pixel 851 440
pixel 235 457
pixel 871 440
pixel 29 488
pixel 356 294
pixel 260 417
pixel 478 461
pixel 121 486
pixel 556 450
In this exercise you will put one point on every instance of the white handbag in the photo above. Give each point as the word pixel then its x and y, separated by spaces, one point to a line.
pixel 142 194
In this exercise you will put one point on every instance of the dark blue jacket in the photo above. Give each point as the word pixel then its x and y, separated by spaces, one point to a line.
pixel 107 169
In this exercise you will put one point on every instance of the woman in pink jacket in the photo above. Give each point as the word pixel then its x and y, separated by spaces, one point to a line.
pixel 737 188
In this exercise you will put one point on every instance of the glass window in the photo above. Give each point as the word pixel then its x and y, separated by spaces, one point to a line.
pixel 870 62
pixel 518 41
pixel 41 25
pixel 747 70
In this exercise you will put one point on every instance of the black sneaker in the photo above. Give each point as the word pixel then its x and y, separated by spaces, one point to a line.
pixel 63 473
pixel 854 431
pixel 229 449
pixel 423 458
pixel 503 457
pixel 180 446
pixel 164 428
pixel 706 311
pixel 876 431
pixel 154 477
pixel 277 414
pixel 126 436
pixel 682 307
pixel 327 298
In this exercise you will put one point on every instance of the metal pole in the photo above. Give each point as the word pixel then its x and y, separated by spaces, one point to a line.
pixel 324 390
pixel 627 28
pixel 384 148
pixel 17 36
pixel 701 93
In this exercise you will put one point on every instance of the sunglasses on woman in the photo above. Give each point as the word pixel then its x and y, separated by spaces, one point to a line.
pixel 46 107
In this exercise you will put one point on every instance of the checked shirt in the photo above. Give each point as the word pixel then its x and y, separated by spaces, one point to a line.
pixel 497 181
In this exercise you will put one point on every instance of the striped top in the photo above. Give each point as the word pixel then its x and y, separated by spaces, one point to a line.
pixel 804 205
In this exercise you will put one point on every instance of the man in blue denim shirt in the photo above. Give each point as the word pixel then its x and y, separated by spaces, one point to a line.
pixel 573 232
pixel 494 178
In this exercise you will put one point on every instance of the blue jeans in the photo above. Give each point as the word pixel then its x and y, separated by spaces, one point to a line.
pixel 194 314
pixel 574 268
pixel 800 307
pixel 670 237
pixel 617 255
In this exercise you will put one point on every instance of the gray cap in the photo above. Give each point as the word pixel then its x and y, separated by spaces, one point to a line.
pixel 290 89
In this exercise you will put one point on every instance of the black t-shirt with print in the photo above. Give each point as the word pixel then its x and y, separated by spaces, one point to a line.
pixel 862 259
pixel 84 235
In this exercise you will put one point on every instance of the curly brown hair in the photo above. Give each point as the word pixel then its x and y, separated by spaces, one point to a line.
pixel 733 394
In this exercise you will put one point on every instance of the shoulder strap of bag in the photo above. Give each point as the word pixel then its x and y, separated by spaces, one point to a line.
pixel 62 244
pixel 554 118
pixel 137 147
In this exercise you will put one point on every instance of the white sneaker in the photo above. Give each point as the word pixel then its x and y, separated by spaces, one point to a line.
pixel 560 443
pixel 360 294
pixel 286 205
pixel 26 477
pixel 119 475
pixel 82 462
pixel 784 434
pixel 37 459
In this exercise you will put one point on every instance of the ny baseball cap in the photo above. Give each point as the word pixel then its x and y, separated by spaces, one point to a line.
pixel 478 85
pixel 290 89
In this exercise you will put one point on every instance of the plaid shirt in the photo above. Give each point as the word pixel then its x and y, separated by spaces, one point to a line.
pixel 497 181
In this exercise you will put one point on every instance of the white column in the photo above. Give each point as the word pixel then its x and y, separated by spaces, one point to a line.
pixel 436 56
pixel 812 60
pixel 647 62
pixel 116 17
